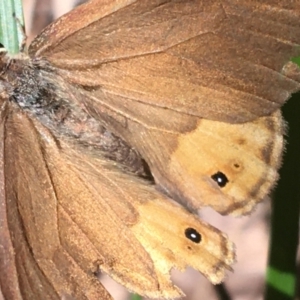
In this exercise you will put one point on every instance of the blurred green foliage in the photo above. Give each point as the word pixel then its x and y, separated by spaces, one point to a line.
pixel 282 269
pixel 11 25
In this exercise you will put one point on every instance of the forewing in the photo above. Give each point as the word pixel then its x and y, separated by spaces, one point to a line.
pixel 219 60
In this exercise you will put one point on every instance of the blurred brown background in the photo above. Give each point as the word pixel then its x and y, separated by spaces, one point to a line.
pixel 250 234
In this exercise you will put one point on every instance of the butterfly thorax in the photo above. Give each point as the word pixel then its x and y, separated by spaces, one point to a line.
pixel 34 87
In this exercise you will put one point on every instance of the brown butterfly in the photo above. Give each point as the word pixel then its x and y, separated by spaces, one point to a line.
pixel 192 88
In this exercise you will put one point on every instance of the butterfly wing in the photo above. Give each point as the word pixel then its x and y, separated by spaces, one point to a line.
pixel 161 69
pixel 71 212
pixel 219 60
pixel 34 223
pixel 230 167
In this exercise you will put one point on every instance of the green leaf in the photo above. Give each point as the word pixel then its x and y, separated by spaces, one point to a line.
pixel 135 297
pixel 282 281
pixel 11 25
pixel 281 273
pixel 296 60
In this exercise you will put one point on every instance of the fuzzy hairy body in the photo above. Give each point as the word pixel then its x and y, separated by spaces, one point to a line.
pixel 36 88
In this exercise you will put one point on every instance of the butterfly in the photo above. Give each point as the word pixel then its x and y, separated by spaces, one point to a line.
pixel 190 90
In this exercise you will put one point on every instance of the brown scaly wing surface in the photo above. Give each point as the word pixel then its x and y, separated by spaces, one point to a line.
pixel 66 213
pixel 219 60
pixel 163 75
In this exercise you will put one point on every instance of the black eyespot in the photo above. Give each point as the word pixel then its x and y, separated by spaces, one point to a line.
pixel 193 235
pixel 220 178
